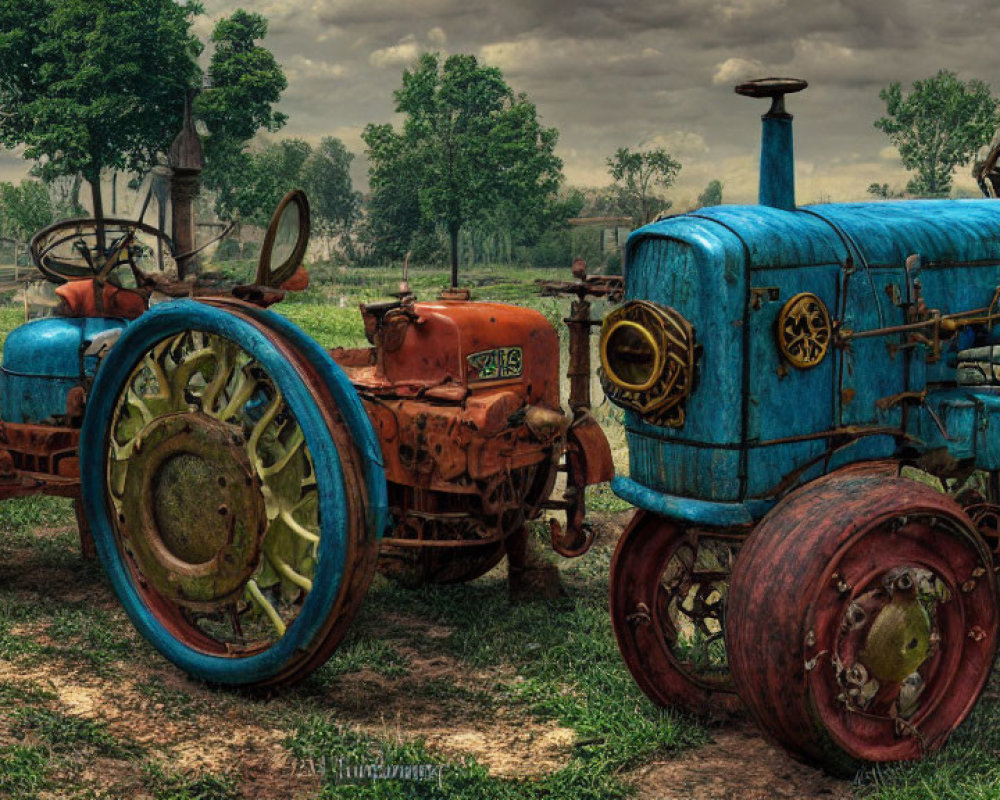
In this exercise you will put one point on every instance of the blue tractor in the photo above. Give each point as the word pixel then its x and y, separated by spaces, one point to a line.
pixel 811 398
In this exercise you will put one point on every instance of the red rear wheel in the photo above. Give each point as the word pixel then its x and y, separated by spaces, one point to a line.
pixel 862 620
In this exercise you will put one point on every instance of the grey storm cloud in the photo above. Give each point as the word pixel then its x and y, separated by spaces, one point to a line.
pixel 609 74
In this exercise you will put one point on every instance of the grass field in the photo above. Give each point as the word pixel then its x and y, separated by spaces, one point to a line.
pixel 527 701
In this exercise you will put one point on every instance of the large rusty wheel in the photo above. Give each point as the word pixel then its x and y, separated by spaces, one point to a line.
pixel 228 479
pixel 669 590
pixel 862 620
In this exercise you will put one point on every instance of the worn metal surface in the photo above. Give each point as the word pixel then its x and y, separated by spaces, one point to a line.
pixel 267 385
pixel 669 587
pixel 708 266
pixel 837 343
pixel 876 626
pixel 43 361
pixel 777 161
pixel 464 397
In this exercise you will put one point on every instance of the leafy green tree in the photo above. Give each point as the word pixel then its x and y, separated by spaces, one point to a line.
pixel 468 144
pixel 24 209
pixel 882 191
pixel 245 82
pixel 637 174
pixel 326 178
pixel 937 126
pixel 264 177
pixel 394 223
pixel 712 196
pixel 94 84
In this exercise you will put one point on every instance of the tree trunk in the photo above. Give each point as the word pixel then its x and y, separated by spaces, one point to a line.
pixel 77 209
pixel 453 232
pixel 95 196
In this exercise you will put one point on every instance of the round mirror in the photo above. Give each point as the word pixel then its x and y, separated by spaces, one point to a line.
pixel 285 241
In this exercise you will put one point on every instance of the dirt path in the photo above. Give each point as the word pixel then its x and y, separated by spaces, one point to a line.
pixel 738 765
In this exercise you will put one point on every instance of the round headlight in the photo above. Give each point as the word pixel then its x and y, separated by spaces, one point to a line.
pixel 631 355
pixel 647 361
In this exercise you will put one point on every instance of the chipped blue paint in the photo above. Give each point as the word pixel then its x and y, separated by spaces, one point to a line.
pixel 777 162
pixel 698 511
pixel 730 269
pixel 42 362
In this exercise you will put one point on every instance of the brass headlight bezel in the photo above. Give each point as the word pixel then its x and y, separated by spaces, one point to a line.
pixel 659 400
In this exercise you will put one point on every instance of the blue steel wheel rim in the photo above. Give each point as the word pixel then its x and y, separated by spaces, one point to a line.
pixel 304 632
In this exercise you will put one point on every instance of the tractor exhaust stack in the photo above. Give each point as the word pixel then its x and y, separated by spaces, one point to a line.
pixel 777 157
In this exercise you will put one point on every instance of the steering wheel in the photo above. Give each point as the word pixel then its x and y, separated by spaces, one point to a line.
pixel 69 250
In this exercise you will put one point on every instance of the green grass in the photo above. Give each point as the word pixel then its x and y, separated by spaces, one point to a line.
pixel 367 652
pixel 23 771
pixel 543 664
pixel 65 733
pixel 968 768
pixel 167 784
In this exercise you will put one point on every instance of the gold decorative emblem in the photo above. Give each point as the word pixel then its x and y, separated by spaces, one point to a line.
pixel 804 330
pixel 648 361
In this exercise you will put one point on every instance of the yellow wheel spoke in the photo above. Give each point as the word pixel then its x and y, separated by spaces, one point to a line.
pixel 224 368
pixel 245 389
pixel 253 444
pixel 297 528
pixel 265 605
pixel 285 571
pixel 297 441
pixel 192 363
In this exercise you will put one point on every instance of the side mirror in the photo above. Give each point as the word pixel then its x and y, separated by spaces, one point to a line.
pixel 285 242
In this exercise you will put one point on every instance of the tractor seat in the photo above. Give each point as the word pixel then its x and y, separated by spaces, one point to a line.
pixel 79 299
pixel 979 366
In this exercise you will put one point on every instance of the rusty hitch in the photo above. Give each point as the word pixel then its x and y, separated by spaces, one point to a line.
pixel 588 455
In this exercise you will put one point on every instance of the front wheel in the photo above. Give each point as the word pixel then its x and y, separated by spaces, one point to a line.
pixel 862 620
pixel 227 479
pixel 669 591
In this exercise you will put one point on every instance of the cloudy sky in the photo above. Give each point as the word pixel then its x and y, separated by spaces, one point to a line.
pixel 609 73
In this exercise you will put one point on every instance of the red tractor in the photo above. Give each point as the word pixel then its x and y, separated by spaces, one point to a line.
pixel 241 482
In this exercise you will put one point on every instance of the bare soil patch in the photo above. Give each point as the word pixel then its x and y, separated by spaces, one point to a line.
pixel 738 765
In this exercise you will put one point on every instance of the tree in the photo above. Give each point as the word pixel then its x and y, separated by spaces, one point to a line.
pixel 468 144
pixel 264 176
pixel 636 174
pixel 882 191
pixel 938 126
pixel 326 177
pixel 24 209
pixel 92 84
pixel 712 196
pixel 245 82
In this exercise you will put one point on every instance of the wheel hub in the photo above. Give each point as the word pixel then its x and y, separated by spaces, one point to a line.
pixel 899 639
pixel 888 635
pixel 193 515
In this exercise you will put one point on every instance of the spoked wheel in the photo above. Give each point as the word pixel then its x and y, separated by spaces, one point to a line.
pixel 669 590
pixel 862 620
pixel 228 483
